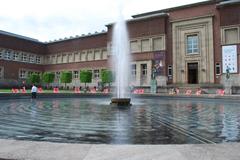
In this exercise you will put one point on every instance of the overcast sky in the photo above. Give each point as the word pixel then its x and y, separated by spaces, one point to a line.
pixel 53 19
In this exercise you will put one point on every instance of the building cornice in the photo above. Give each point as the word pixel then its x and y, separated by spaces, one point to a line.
pixel 19 36
pixel 178 8
pixel 228 3
pixel 192 18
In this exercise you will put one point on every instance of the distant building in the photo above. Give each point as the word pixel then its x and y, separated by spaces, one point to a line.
pixel 184 45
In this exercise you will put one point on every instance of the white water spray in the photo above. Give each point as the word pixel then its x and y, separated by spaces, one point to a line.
pixel 121 56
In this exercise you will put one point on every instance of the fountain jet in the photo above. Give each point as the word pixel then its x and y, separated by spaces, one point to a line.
pixel 121 61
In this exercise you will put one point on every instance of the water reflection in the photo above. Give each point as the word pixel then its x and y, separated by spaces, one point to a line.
pixel 230 121
pixel 149 121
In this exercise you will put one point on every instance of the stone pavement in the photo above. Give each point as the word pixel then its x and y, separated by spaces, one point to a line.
pixel 27 150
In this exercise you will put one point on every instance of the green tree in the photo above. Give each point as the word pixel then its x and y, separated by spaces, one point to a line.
pixel 66 77
pixel 34 78
pixel 48 77
pixel 107 77
pixel 85 77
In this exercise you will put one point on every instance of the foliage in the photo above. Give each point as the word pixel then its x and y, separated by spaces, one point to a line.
pixel 107 76
pixel 34 78
pixel 48 77
pixel 85 76
pixel 66 77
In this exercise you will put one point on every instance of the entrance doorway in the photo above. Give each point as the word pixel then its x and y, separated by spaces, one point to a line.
pixel 192 73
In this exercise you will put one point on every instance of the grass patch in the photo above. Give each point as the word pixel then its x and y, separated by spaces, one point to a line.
pixel 29 91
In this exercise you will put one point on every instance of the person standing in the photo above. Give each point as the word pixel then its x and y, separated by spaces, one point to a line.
pixel 34 91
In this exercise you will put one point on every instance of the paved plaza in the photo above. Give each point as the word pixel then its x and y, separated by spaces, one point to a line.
pixel 27 150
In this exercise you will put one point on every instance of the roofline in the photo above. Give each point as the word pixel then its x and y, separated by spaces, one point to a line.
pixel 19 36
pixel 162 14
pixel 177 8
pixel 142 18
pixel 50 42
pixel 76 37
pixel 227 3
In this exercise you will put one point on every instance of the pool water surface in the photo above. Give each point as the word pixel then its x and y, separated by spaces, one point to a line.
pixel 147 121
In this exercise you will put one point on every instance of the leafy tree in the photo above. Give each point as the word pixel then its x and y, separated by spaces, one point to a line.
pixel 34 78
pixel 66 77
pixel 85 76
pixel 48 77
pixel 107 77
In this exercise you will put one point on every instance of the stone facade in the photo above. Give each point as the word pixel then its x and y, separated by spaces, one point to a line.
pixel 184 44
pixel 202 27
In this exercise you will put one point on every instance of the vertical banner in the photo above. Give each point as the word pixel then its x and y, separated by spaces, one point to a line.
pixel 229 58
pixel 159 63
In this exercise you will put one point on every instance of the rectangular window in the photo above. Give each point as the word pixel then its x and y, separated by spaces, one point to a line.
pixel 145 45
pixel 70 58
pixel 104 54
pixel 157 44
pixel 1 53
pixel 76 57
pixel 57 75
pixel 31 59
pixel 192 44
pixel 96 74
pixel 75 74
pixel 133 71
pixel 169 71
pixel 24 57
pixel 231 35
pixel 1 73
pixel 218 69
pixel 7 55
pixel 90 56
pixel 97 55
pixel 134 46
pixel 15 56
pixel 22 74
pixel 64 58
pixel 144 69
pixel 38 59
pixel 83 56
pixel 59 58
pixel 54 59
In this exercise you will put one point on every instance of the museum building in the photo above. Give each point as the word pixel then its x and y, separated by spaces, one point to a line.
pixel 190 44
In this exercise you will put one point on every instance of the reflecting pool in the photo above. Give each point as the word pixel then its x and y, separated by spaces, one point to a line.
pixel 147 121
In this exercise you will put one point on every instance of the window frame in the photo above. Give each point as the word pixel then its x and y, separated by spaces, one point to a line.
pixel 96 75
pixel 38 59
pixel 15 56
pixel 22 74
pixel 218 65
pixel 170 70
pixel 193 48
pixel 31 58
pixel 7 55
pixel 75 74
pixel 134 70
pixel 223 34
pixel 144 70
pixel 1 72
pixel 24 57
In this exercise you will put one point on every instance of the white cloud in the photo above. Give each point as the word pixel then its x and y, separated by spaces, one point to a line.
pixel 53 19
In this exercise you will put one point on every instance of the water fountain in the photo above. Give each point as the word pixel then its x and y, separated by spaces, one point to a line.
pixel 121 61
